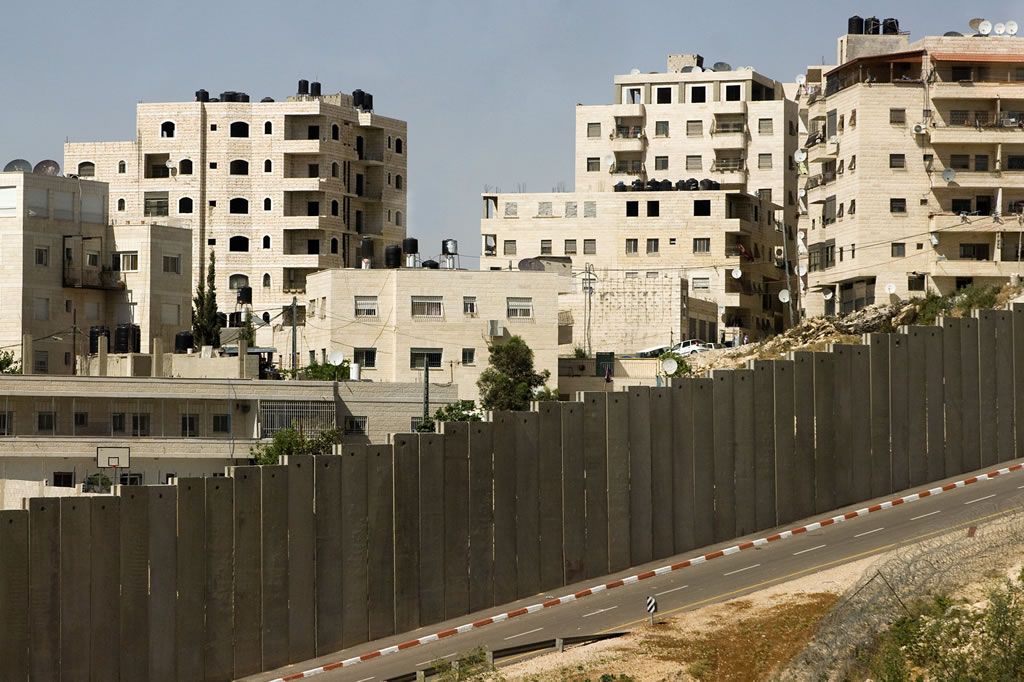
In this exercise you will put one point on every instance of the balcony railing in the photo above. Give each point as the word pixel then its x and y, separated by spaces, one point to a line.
pixel 629 169
pixel 728 165
pixel 627 132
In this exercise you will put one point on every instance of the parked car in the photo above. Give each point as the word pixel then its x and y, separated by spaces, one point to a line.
pixel 713 346
pixel 654 352
pixel 689 346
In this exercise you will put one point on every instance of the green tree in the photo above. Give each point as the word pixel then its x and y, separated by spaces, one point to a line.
pixel 458 411
pixel 8 365
pixel 205 325
pixel 248 331
pixel 325 372
pixel 509 382
pixel 292 441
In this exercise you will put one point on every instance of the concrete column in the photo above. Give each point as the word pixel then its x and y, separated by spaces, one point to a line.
pixel 219 636
pixel 44 589
pixel 243 353
pixel 157 353
pixel 14 579
pixel 804 465
pixel 248 561
pixel 101 356
pixel 26 354
pixel 191 578
pixel 301 559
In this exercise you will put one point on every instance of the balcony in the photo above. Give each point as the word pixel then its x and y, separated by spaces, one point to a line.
pixel 91 278
pixel 299 146
pixel 367 119
pixel 631 168
pixel 729 136
pixel 976 90
pixel 628 110
pixel 953 222
pixel 726 108
pixel 311 222
pixel 369 195
pixel 1005 131
pixel 631 141
pixel 372 158
pixel 823 152
pixel 302 184
pixel 968 179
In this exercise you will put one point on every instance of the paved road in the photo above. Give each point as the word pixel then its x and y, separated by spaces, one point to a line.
pixel 695 586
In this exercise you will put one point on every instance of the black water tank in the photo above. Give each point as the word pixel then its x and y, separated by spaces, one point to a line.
pixel 314 88
pixel 202 96
pixel 227 96
pixel 653 185
pixel 366 248
pixel 245 295
pixel 890 26
pixel 267 99
pixel 410 245
pixel 692 184
pixel 127 338
pixel 184 342
pixel 222 319
pixel 368 102
pixel 855 25
pixel 620 186
pixel 303 87
pixel 705 184
pixel 681 185
pixel 638 185
pixel 431 264
pixel 94 338
pixel 666 185
pixel 393 256
pixel 872 26
pixel 241 97
pixel 235 319
pixel 715 184
pixel 357 98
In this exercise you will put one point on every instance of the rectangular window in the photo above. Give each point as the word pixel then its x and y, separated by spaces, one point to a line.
pixel 63 479
pixel 661 128
pixel 701 283
pixel 417 356
pixel 660 163
pixel 593 130
pixel 694 128
pixel 898 116
pixel 653 209
pixel 511 209
pixel 126 261
pixel 981 162
pixel 897 205
pixel 366 306
pixel 469 305
pixel 632 274
pixel 632 209
pixel 45 421
pixel 43 256
pixel 355 426
pixel 593 163
pixel 960 205
pixel 92 259
pixel 41 309
pixel 8 202
pixel 510 247
pixel 702 244
pixel 365 357
pixel 469 356
pixel 545 247
pixel 974 251
pixel 117 422
pixel 570 247
pixel 222 423
pixel 664 95
pixel 915 282
pixel 960 161
pixel 189 425
pixel 140 424
pixel 427 306
pixel 589 246
pixel 828 211
pixel 81 419
pixel 589 209
pixel 155 204
pixel 570 209
pixel 698 94
pixel 652 247
pixel 6 423
pixel 764 161
pixel 764 126
pixel 172 264
pixel 898 250
pixel 702 207
pixel 961 73
pixel 632 246
pixel 897 161
pixel 694 162
pixel 733 93
pixel 544 209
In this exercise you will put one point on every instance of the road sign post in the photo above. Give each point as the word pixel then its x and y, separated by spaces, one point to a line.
pixel 652 608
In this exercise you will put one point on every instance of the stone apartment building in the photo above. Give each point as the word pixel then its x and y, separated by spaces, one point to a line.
pixel 65 266
pixel 685 176
pixel 391 321
pixel 915 166
pixel 277 190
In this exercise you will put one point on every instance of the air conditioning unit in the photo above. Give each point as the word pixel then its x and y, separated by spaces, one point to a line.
pixel 779 252
pixel 495 328
pixel 920 129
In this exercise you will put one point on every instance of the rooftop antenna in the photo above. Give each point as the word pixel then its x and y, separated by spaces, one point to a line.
pixel 801 79
pixel 47 167
pixel 737 273
pixel 800 155
pixel 999 29
pixel 669 366
pixel 985 27
pixel 975 23
pixel 18 166
pixel 949 175
pixel 827 294
pixel 1011 28
pixel 634 72
pixel 784 296
pixel 722 66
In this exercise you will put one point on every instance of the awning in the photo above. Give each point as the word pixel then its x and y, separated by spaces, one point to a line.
pixel 909 56
pixel 976 57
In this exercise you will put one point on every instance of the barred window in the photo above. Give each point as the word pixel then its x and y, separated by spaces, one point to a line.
pixel 570 209
pixel 764 126
pixel 417 356
pixel 366 306
pixel 519 307
pixel 365 357
pixel 511 209
pixel 469 305
pixel 427 306
pixel 355 426
pixel 570 247
pixel 589 209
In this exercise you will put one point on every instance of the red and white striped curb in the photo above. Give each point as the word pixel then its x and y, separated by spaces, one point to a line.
pixel 645 575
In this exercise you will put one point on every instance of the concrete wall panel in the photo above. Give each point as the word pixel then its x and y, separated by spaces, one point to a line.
pixel 917 405
pixel 355 551
pixel 407 531
pixel 860 419
pixel 456 519
pixel 135 606
pixel 432 501
pixel 163 582
pixel 788 481
pixel 881 464
pixel 14 590
pixel 574 523
pixel 662 512
pixel 481 511
pixel 329 547
pixel 527 438
pixel 987 407
pixel 218 637
pixel 248 585
pixel 504 444
pixel 724 454
pixel 899 417
pixel 44 589
pixel 843 424
pixel 380 541
pixel 639 447
pixel 595 448
pixel 75 587
pixel 764 444
pixel 803 436
pixel 704 475
pixel 619 541
pixel 549 486
pixel 934 390
pixel 824 433
pixel 745 500
pixel 1018 377
pixel 301 560
pixel 970 385
pixel 274 569
pixel 953 395
pixel 191 578
pixel 1004 386
pixel 681 419
pixel 105 567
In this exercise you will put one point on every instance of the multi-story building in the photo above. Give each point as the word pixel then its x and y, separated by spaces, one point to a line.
pixel 915 177
pixel 66 269
pixel 392 321
pixel 721 142
pixel 277 190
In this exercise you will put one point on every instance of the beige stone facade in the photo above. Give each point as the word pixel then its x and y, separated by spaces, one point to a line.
pixel 277 190
pixel 731 132
pixel 915 176
pixel 389 320
pixel 65 266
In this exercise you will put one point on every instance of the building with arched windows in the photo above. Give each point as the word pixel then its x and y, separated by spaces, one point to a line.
pixel 312 172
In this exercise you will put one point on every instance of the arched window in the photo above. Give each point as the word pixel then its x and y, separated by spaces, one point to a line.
pixel 238 243
pixel 398 218
pixel 266 280
pixel 238 205
pixel 398 145
pixel 398 182
pixel 121 167
pixel 239 167
pixel 335 132
pixel 268 166
pixel 185 167
pixel 87 169
pixel 268 128
pixel 120 204
pixel 167 129
pixel 334 245
pixel 185 205
pixel 238 281
pixel 334 170
pixel 239 129
pixel 267 204
pixel 266 241
pixel 334 207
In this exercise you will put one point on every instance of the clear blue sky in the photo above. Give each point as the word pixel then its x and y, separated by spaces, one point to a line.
pixel 488 88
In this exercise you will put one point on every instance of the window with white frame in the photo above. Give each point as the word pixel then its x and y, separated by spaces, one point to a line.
pixel 469 356
pixel 172 264
pixel 469 305
pixel 365 357
pixel 427 306
pixel 125 261
pixel 701 283
pixel 366 306
pixel 43 255
pixel 519 307
pixel 432 356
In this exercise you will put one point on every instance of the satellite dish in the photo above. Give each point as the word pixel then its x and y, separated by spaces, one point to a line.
pixel 531 265
pixel 801 79
pixel 949 175
pixel 801 269
pixel 890 288
pixel 784 295
pixel 634 72
pixel 800 155
pixel 721 310
pixel 609 160
pixel 686 69
pixel 698 69
pixel 722 66
pixel 975 23
pixel 47 167
pixel 827 294
pixel 801 192
pixel 736 273
pixel 169 164
pixel 18 166
pixel 985 27
pixel 802 248
pixel 669 366
pixel 953 34
pixel 999 29
pixel 336 357
pixel 1011 28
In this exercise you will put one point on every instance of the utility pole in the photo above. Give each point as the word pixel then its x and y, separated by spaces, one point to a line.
pixel 74 342
pixel 426 387
pixel 785 261
pixel 295 352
